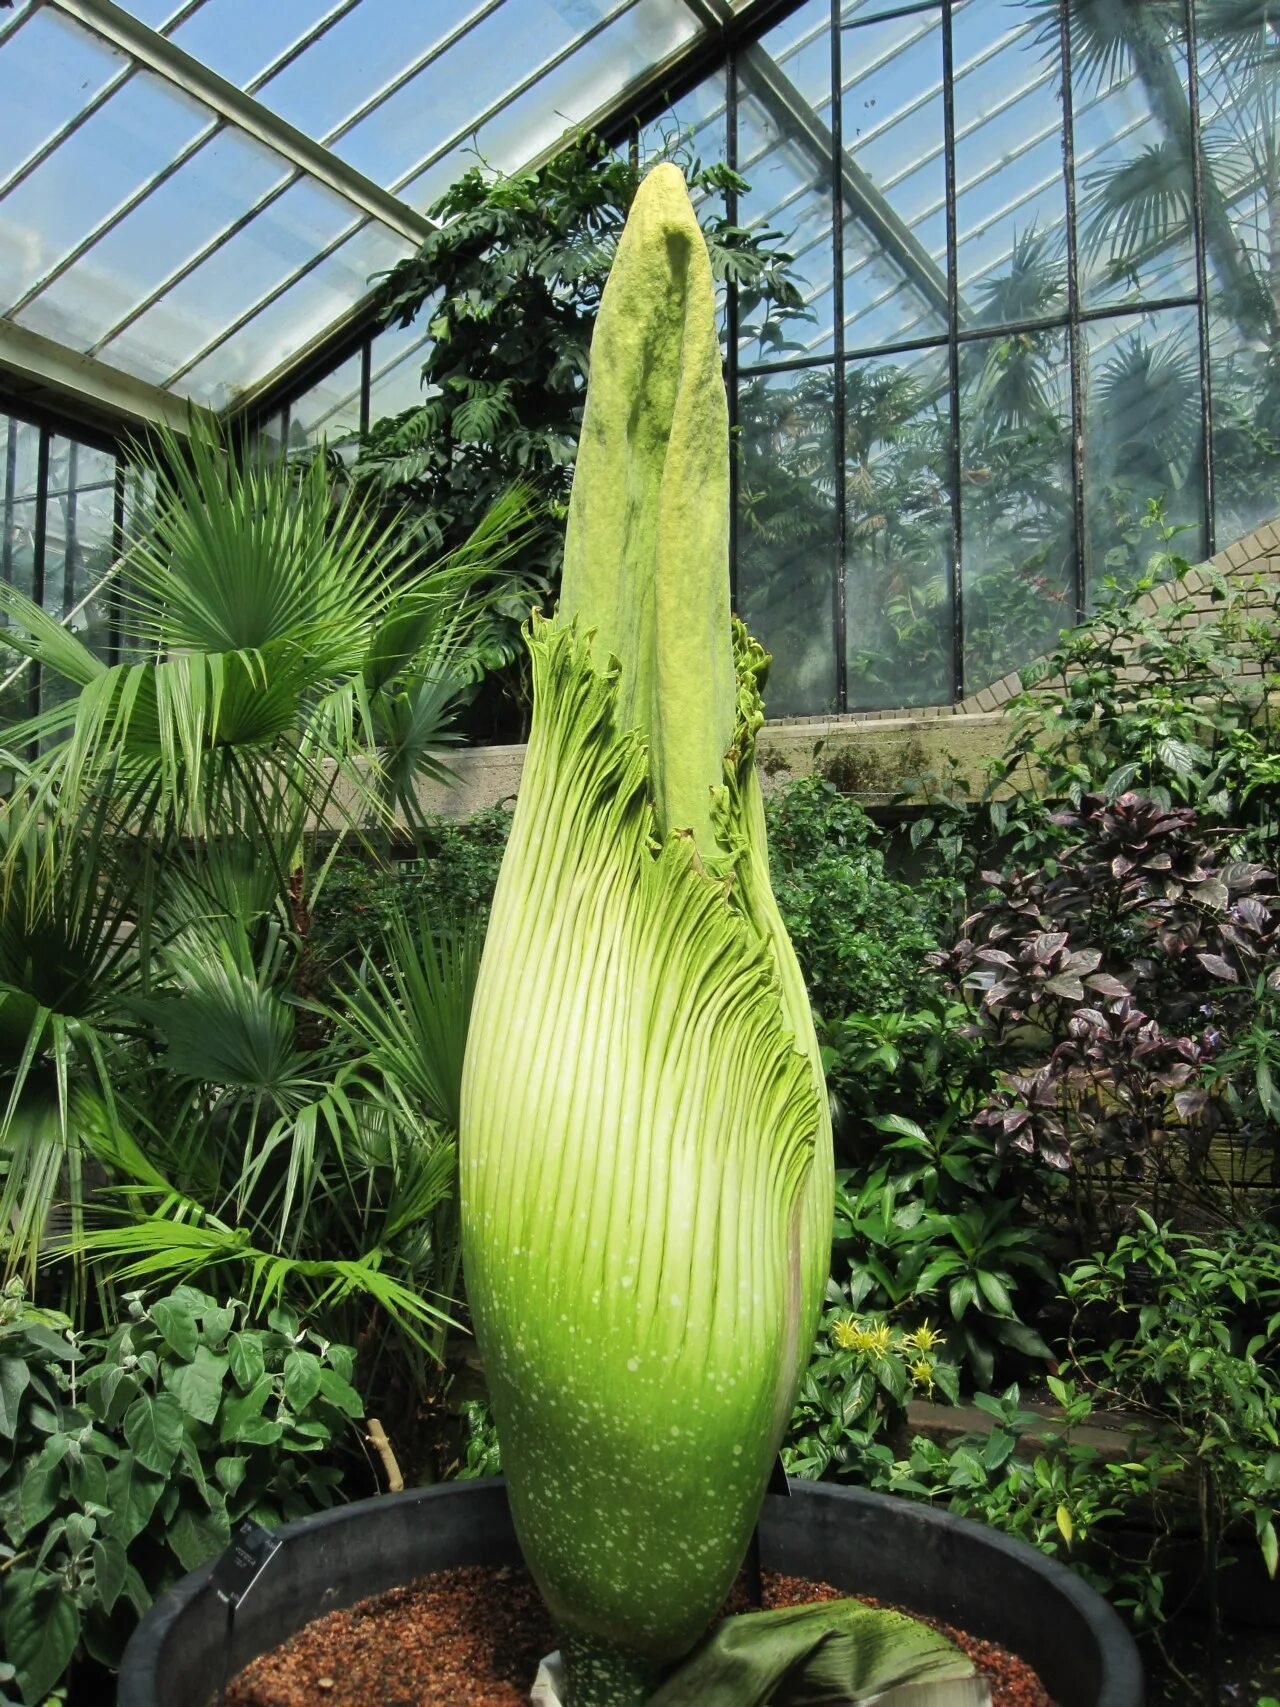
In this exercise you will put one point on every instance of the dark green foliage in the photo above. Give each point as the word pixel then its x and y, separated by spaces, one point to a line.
pixel 451 874
pixel 861 933
pixel 509 287
pixel 127 1458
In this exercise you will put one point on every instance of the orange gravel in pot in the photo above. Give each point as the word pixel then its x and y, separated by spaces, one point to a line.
pixel 473 1638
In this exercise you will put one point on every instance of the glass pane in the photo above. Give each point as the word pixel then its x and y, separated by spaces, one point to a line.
pixel 117 149
pixel 285 236
pixel 19 452
pixel 1240 114
pixel 366 49
pixel 205 196
pixel 696 125
pixel 396 364
pixel 20 448
pixel 302 312
pixel 787 534
pixel 1017 513
pixel 79 517
pixel 526 124
pixel 49 70
pixel 1010 179
pixel 898 533
pixel 895 260
pixel 784 153
pixel 239 38
pixel 862 11
pixel 457 88
pixel 1132 155
pixel 1142 438
pixel 330 409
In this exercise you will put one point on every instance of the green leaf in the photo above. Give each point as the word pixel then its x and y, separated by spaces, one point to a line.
pixel 88 1476
pixel 197 1385
pixel 218 1324
pixel 230 1472
pixel 995 1292
pixel 177 1325
pixel 109 1564
pixel 132 1492
pixel 42 1482
pixel 247 1362
pixel 41 1629
pixel 832 1651
pixel 341 1393
pixel 195 1536
pixel 240 1410
pixel 153 1428
pixel 1267 1541
pixel 301 1378
pixel 15 1378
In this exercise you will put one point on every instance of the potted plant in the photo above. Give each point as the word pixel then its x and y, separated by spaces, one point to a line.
pixel 646 1171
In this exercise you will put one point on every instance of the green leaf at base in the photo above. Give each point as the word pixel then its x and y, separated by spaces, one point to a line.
pixel 836 1651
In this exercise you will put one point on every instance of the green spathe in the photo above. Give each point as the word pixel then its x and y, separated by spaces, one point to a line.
pixel 645 1144
pixel 646 558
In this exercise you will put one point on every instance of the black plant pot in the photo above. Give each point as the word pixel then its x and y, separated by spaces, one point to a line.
pixel 910 1555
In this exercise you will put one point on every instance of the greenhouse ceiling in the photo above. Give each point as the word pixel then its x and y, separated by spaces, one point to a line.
pixel 195 195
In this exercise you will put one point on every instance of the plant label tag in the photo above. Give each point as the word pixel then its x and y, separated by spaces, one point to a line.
pixel 251 1551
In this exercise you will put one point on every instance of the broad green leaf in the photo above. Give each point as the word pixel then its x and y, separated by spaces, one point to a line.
pixel 197 1385
pixel 301 1378
pixel 230 1472
pixel 15 1378
pixel 153 1428
pixel 341 1393
pixel 41 1627
pixel 132 1492
pixel 195 1536
pixel 217 1325
pixel 240 1409
pixel 42 1482
pixel 177 1325
pixel 833 1651
pixel 88 1478
pixel 247 1365
pixel 109 1564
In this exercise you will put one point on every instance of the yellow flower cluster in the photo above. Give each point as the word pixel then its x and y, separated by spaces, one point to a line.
pixel 877 1339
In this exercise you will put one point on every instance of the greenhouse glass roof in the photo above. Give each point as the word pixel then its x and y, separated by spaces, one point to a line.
pixel 193 193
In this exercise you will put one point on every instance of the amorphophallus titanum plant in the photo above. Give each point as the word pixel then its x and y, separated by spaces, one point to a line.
pixel 645 1139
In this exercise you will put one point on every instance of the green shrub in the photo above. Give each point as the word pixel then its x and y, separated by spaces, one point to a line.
pixel 860 932
pixel 1179 1333
pixel 452 875
pixel 126 1459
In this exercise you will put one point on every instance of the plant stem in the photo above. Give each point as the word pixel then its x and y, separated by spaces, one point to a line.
pixel 603 1676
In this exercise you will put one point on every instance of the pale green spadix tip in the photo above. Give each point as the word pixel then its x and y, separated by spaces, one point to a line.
pixel 646 561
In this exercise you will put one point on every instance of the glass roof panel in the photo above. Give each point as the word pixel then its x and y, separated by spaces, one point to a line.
pixel 217 186
pixel 395 373
pixel 369 47
pixel 466 81
pixel 186 241
pixel 117 149
pixel 239 38
pixel 295 317
pixel 535 109
pixel 49 70
pixel 285 235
